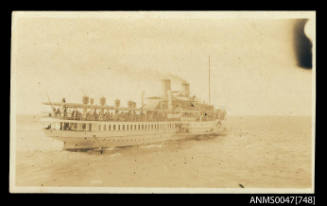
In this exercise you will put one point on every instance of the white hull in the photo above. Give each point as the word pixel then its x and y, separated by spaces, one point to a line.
pixel 104 139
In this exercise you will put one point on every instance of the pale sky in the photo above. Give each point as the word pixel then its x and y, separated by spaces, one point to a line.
pixel 116 55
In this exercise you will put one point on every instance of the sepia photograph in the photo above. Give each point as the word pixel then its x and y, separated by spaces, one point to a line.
pixel 162 102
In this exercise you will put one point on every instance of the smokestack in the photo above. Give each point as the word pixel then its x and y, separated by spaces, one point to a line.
pixel 186 89
pixel 85 100
pixel 117 105
pixel 130 104
pixel 165 87
pixel 102 101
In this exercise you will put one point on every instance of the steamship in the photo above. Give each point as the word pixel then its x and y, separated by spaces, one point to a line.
pixel 173 115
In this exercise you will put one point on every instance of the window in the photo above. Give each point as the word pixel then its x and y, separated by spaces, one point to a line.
pixel 139 127
pixel 127 127
pixel 118 127
pixel 109 127
pixel 123 127
pixel 99 127
pixel 114 127
pixel 105 127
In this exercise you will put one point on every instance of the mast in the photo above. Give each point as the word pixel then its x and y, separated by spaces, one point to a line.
pixel 209 83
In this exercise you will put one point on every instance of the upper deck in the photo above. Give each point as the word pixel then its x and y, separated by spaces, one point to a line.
pixel 170 106
pixel 80 112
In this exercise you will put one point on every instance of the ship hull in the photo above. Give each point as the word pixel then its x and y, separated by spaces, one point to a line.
pixel 79 140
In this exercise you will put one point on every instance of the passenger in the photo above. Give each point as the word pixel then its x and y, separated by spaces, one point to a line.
pixel 79 115
pixel 58 113
pixel 65 112
pixel 107 116
pixel 54 111
pixel 73 114
pixel 87 116
pixel 76 115
pixel 124 116
pixel 95 115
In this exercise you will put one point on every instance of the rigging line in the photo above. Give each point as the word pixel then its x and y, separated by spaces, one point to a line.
pixel 53 108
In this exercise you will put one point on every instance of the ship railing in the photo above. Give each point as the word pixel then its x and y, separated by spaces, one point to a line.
pixel 132 117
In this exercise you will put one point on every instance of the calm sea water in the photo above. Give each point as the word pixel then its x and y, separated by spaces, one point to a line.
pixel 265 151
